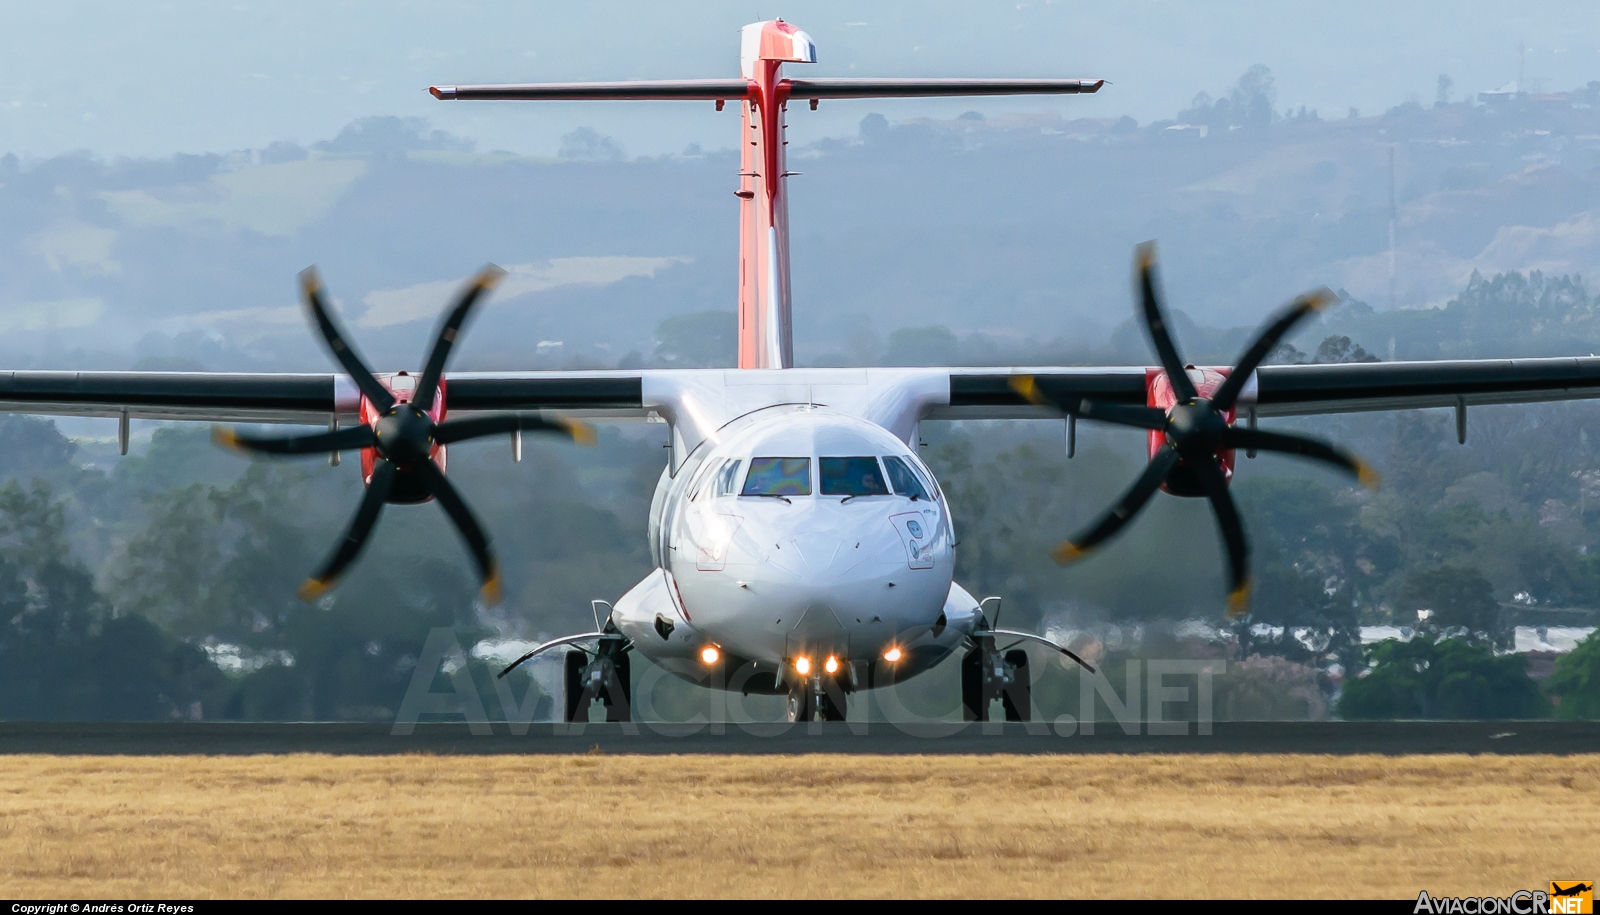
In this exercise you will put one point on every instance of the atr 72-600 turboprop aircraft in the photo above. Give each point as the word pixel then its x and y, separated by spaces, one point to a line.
pixel 801 546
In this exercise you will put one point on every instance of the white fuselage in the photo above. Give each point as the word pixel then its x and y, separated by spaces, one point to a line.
pixel 799 531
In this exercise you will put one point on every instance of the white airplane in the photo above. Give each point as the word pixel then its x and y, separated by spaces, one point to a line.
pixel 802 547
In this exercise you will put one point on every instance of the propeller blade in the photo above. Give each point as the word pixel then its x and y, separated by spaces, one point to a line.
pixel 355 536
pixel 471 531
pixel 352 439
pixel 486 280
pixel 1123 414
pixel 1303 446
pixel 1155 324
pixel 1210 474
pixel 459 430
pixel 1130 503
pixel 1285 321
pixel 311 286
pixel 1102 411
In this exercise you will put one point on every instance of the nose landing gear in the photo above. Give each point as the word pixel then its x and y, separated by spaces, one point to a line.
pixel 988 674
pixel 816 698
pixel 606 677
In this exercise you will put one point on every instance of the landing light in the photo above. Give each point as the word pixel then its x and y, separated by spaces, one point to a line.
pixel 802 666
pixel 892 655
pixel 831 665
pixel 710 654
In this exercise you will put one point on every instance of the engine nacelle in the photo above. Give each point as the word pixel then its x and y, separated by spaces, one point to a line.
pixel 408 488
pixel 1158 394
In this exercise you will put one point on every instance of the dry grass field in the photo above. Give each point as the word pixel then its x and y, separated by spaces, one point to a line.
pixel 1120 826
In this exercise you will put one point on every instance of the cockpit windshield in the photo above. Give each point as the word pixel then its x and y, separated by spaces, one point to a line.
pixel 906 483
pixel 778 476
pixel 852 476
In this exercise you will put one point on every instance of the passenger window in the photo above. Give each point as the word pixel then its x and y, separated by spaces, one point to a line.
pixel 852 476
pixel 906 483
pixel 778 476
pixel 727 478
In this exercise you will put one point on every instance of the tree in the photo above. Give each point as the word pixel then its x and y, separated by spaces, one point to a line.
pixel 170 568
pixel 1452 678
pixel 1460 602
pixel 705 339
pixel 1575 685
pixel 1339 349
pixel 1254 97
pixel 64 655
pixel 1307 580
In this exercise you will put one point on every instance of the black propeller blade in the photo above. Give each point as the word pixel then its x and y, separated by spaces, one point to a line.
pixel 404 436
pixel 1196 431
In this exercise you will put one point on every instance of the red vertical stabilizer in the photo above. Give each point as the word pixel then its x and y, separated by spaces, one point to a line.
pixel 766 340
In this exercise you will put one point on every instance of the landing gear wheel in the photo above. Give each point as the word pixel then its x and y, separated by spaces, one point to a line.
pixel 618 694
pixel 1018 694
pixel 973 706
pixel 572 683
pixel 799 707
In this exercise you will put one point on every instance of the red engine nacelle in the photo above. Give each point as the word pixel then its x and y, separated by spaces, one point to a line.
pixel 1158 394
pixel 408 488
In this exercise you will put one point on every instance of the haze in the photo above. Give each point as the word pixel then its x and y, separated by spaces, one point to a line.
pixel 151 80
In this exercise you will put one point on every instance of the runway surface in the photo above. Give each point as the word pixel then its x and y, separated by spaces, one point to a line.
pixel 376 739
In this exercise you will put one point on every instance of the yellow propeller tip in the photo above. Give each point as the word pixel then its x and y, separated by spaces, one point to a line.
pixel 490 276
pixel 1239 601
pixel 491 592
pixel 226 437
pixel 1146 254
pixel 1067 553
pixel 313 588
pixel 582 433
pixel 1026 386
pixel 1367 476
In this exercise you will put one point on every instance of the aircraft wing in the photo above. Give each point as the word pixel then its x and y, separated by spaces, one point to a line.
pixel 1297 390
pixel 974 393
pixel 295 398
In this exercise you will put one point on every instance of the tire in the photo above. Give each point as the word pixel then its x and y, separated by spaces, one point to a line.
pixel 799 706
pixel 973 708
pixel 573 686
pixel 1018 697
pixel 618 697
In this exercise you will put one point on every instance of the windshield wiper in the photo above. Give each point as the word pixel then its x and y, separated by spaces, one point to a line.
pixel 768 495
pixel 859 495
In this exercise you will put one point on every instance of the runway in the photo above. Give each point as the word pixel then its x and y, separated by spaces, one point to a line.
pixel 925 738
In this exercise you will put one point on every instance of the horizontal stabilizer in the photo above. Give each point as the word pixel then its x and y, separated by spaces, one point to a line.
pixel 629 89
pixel 721 89
pixel 930 88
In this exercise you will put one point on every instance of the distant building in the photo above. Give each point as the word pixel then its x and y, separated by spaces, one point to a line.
pixel 1500 96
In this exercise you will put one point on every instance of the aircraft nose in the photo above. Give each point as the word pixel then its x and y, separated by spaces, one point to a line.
pixel 816 550
pixel 823 555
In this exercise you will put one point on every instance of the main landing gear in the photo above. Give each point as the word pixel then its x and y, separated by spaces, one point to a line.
pixel 605 677
pixel 988 674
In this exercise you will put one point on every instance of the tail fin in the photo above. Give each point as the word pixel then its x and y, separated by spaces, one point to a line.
pixel 766 338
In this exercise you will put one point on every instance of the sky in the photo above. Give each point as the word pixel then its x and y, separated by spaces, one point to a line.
pixel 152 79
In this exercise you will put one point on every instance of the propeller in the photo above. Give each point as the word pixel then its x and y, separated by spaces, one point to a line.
pixel 403 436
pixel 1196 431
